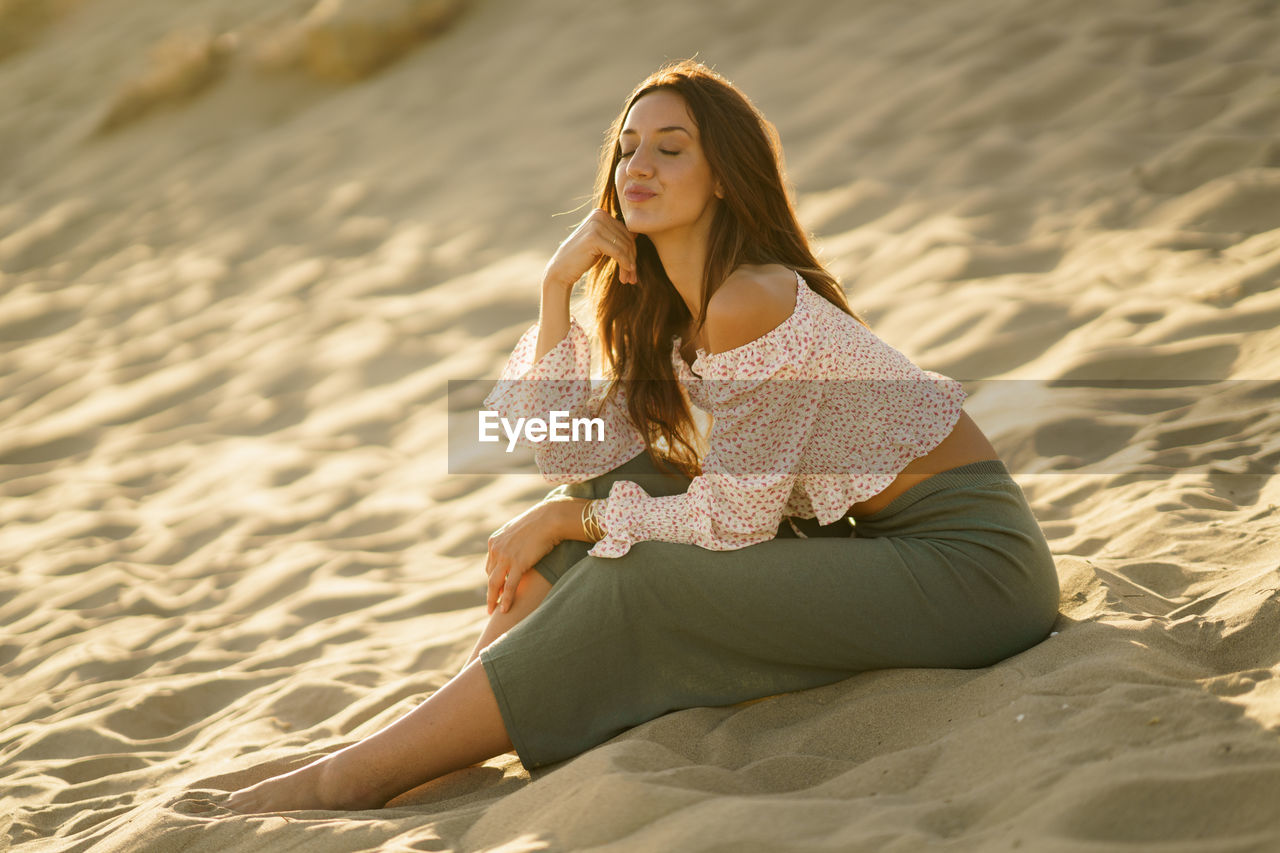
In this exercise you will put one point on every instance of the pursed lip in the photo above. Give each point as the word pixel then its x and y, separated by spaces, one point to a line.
pixel 638 194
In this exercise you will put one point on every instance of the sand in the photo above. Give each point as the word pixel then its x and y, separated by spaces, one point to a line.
pixel 245 251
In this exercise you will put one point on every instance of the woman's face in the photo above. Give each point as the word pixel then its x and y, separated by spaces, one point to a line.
pixel 663 181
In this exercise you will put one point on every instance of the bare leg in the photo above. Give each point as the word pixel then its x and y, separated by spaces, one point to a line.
pixel 457 726
pixel 530 592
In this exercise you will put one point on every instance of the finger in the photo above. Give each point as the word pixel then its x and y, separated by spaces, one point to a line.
pixel 509 590
pixel 495 587
pixel 622 248
pixel 629 243
pixel 626 238
pixel 611 246
pixel 496 582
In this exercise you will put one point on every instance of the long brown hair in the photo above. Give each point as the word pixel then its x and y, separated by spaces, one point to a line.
pixel 754 224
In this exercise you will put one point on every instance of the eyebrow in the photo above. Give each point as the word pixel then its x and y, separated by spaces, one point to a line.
pixel 660 130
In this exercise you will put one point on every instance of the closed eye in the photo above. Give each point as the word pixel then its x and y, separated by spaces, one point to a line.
pixel 660 151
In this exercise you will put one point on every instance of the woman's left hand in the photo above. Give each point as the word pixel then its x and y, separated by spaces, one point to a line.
pixel 517 545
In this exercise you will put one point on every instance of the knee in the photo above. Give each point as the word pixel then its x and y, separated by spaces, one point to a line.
pixel 559 560
pixel 532 587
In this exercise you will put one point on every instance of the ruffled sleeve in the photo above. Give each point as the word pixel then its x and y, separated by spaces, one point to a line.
pixel 560 382
pixel 763 412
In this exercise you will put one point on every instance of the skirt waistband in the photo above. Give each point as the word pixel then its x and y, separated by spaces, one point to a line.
pixel 972 474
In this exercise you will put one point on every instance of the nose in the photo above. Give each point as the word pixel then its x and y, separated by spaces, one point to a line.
pixel 638 163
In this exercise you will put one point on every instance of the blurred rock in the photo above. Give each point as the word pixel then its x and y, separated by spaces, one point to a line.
pixel 348 40
pixel 180 66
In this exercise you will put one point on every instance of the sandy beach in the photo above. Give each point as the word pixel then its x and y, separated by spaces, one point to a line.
pixel 246 248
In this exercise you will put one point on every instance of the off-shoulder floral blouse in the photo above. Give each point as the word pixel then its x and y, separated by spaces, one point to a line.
pixel 813 416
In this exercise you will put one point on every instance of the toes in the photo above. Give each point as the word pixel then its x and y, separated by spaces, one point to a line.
pixel 239 803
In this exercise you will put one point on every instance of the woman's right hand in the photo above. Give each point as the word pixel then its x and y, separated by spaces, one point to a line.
pixel 515 547
pixel 598 235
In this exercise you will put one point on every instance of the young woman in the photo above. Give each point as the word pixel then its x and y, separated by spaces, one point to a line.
pixel 842 514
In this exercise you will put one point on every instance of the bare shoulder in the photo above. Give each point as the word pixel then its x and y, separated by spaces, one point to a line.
pixel 750 303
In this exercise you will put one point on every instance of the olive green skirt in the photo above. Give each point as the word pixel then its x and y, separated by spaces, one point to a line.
pixel 955 572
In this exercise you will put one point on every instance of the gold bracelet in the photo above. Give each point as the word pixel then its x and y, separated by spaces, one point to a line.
pixel 590 521
pixel 586 522
pixel 595 519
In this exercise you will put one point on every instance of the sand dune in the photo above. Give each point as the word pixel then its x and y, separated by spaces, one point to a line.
pixel 245 250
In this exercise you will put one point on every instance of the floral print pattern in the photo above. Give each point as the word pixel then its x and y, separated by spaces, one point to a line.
pixel 813 416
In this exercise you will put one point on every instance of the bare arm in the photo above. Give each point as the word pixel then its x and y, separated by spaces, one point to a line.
pixel 599 235
pixel 565 517
pixel 553 317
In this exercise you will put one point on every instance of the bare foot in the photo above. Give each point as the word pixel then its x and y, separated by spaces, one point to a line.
pixel 457 726
pixel 318 785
